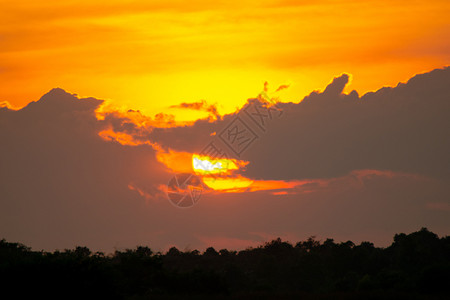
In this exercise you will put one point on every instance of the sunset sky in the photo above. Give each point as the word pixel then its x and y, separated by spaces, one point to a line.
pixel 103 102
pixel 148 55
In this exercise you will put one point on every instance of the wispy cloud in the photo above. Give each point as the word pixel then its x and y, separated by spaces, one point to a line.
pixel 202 106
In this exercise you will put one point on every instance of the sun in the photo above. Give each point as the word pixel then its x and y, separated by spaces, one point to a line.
pixel 205 165
pixel 219 173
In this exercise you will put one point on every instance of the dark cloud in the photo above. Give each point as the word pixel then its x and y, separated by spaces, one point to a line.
pixel 379 165
pixel 337 86
pixel 61 184
pixel 329 134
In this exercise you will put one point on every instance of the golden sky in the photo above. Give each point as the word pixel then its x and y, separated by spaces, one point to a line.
pixel 149 55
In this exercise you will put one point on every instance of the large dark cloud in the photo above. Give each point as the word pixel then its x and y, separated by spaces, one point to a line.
pixel 329 134
pixel 62 185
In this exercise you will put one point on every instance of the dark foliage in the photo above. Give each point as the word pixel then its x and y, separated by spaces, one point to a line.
pixel 415 266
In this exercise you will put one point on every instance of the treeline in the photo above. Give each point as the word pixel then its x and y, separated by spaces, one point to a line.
pixel 415 266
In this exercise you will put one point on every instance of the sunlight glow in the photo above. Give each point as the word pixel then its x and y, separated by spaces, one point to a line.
pixel 217 173
pixel 205 165
pixel 228 184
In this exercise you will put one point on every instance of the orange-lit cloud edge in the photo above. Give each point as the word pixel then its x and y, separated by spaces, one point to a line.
pixel 219 175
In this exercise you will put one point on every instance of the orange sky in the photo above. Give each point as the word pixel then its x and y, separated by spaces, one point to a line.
pixel 149 55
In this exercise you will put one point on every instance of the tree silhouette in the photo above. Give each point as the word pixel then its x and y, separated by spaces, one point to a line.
pixel 415 265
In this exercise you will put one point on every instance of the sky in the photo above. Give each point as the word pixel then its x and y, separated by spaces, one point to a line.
pixel 149 55
pixel 294 118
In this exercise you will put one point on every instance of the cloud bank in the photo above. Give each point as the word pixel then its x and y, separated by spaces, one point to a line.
pixel 367 167
pixel 329 134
